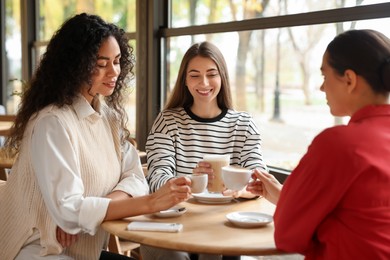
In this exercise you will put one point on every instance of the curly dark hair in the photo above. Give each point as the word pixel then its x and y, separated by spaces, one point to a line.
pixel 68 63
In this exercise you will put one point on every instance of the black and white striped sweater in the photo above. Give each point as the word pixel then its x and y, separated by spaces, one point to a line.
pixel 179 139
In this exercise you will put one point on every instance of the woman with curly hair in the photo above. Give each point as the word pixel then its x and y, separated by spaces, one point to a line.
pixel 75 167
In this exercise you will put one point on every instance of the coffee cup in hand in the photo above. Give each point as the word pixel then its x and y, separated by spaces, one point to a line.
pixel 235 178
pixel 217 161
pixel 198 182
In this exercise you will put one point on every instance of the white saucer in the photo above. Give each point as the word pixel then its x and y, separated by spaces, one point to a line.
pixel 212 198
pixel 172 212
pixel 249 219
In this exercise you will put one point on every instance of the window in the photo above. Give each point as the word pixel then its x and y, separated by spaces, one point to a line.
pixel 279 81
pixel 280 46
pixel 198 12
pixel 54 12
pixel 51 15
pixel 13 55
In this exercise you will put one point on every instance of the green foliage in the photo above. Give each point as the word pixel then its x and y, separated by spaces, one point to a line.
pixel 55 12
pixel 24 87
pixel 12 14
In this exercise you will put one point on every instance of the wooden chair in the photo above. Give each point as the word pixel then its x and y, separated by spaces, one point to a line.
pixel 145 169
pixel 127 248
pixel 6 122
pixel 3 174
pixel 6 163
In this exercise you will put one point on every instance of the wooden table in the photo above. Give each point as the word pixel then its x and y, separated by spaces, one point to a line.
pixel 206 230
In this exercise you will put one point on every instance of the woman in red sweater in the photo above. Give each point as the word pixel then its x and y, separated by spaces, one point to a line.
pixel 336 202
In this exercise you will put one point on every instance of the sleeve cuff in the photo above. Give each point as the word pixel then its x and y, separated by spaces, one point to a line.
pixel 92 213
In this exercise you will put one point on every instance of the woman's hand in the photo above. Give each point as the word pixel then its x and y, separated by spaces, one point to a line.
pixel 205 167
pixel 176 190
pixel 65 239
pixel 239 194
pixel 265 185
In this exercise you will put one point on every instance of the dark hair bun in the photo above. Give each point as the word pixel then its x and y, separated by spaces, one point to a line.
pixel 385 74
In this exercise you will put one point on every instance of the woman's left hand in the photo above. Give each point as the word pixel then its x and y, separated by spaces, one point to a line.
pixel 65 239
pixel 239 194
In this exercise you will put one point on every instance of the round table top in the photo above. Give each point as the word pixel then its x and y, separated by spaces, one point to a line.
pixel 206 230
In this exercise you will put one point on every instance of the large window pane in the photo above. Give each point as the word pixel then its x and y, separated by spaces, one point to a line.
pixel 130 102
pixel 279 84
pixel 13 50
pixel 54 12
pixel 199 12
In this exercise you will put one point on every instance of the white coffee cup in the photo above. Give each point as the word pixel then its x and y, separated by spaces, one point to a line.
pixel 198 182
pixel 235 178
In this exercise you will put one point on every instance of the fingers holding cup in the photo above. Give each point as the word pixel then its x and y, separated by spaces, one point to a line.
pixel 236 178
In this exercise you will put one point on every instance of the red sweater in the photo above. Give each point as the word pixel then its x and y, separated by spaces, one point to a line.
pixel 336 203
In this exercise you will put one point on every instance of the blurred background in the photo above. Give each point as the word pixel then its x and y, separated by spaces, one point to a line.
pixel 273 49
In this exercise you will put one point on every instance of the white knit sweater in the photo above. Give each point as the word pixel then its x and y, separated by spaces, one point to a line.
pixel 22 208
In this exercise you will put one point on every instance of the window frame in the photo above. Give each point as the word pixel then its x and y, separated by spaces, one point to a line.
pixel 152 32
